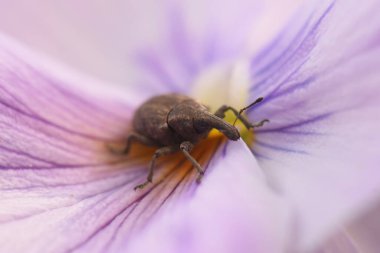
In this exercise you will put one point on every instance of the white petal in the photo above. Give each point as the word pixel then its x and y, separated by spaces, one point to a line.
pixel 321 149
pixel 232 211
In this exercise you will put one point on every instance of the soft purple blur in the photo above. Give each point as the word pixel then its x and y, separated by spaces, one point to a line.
pixel 310 182
pixel 98 37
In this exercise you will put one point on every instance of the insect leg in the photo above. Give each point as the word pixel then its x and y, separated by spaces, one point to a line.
pixel 159 152
pixel 260 124
pixel 133 137
pixel 186 148
pixel 223 109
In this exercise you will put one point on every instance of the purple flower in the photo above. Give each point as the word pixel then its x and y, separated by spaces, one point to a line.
pixel 306 182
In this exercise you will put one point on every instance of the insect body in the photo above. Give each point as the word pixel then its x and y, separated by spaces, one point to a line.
pixel 176 122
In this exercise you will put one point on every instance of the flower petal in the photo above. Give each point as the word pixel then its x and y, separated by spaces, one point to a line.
pixel 359 235
pixel 54 171
pixel 365 229
pixel 101 38
pixel 197 37
pixel 232 211
pixel 61 188
pixel 340 243
pixel 63 191
pixel 94 37
pixel 322 98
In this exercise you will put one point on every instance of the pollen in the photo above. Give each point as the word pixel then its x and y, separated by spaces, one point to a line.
pixel 246 134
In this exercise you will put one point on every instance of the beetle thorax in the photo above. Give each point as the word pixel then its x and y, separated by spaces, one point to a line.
pixel 182 120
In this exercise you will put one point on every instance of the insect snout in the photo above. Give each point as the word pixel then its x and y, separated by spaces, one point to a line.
pixel 233 134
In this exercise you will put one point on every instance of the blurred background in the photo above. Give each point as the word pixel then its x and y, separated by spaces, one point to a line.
pixel 98 37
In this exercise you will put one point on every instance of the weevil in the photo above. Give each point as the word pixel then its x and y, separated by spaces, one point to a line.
pixel 175 122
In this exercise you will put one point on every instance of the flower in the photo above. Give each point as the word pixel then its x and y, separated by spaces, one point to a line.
pixel 307 183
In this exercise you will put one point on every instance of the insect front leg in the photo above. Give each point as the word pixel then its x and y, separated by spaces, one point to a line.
pixel 159 152
pixel 186 148
pixel 223 109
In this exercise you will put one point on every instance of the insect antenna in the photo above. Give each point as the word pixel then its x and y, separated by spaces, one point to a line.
pixel 247 107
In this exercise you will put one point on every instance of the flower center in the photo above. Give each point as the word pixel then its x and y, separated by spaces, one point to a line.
pixel 225 84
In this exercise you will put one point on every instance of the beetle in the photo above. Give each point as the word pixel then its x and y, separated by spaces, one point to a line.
pixel 175 122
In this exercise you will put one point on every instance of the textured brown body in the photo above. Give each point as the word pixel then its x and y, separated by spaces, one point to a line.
pixel 174 122
pixel 169 120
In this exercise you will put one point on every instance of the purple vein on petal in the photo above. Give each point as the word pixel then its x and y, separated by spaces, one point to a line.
pixel 178 183
pixel 107 245
pixel 34 116
pixel 276 43
pixel 259 155
pixel 277 60
pixel 225 146
pixel 57 85
pixel 50 140
pixel 159 192
pixel 60 142
pixel 297 124
pixel 103 226
pixel 205 167
pixel 281 62
pixel 55 167
pixel 74 177
pixel 279 148
pixel 25 154
pixel 292 88
pixel 129 208
pixel 170 177
pixel 61 185
pixel 304 47
pixel 64 166
pixel 125 187
pixel 47 122
pixel 40 117
pixel 277 93
pixel 268 96
pixel 296 132
pixel 106 193
pixel 15 99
